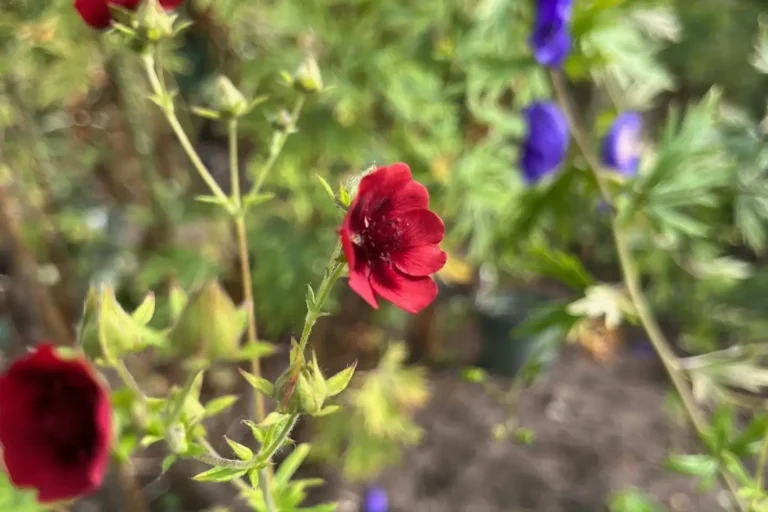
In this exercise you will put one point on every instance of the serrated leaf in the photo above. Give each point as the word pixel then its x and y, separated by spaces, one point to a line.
pixel 340 381
pixel 219 405
pixel 259 383
pixel 219 475
pixel 243 452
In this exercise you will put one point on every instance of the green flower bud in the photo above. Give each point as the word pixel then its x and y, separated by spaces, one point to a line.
pixel 307 78
pixel 210 325
pixel 232 103
pixel 176 437
pixel 155 22
pixel 108 332
pixel 283 121
pixel 311 388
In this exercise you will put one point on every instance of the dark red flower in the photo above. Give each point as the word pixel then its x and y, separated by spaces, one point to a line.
pixel 391 238
pixel 96 12
pixel 55 425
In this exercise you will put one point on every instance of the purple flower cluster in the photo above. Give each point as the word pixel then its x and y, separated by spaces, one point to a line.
pixel 547 137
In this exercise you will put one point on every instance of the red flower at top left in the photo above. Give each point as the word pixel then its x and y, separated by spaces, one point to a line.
pixel 96 12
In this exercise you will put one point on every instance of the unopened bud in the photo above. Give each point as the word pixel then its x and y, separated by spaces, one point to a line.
pixel 232 103
pixel 156 23
pixel 176 437
pixel 283 121
pixel 307 78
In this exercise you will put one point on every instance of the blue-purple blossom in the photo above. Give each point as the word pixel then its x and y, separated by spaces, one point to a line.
pixel 621 145
pixel 551 38
pixel 546 142
pixel 375 500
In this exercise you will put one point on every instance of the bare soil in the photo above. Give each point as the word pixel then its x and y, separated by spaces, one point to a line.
pixel 600 428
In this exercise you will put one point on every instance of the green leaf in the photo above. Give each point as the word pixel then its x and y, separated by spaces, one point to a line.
pixel 273 418
pixel 150 440
pixel 259 383
pixel 291 463
pixel 219 475
pixel 327 187
pixel 327 411
pixel 213 200
pixel 562 266
pixel 340 381
pixel 703 466
pixel 167 463
pixel 253 478
pixel 255 200
pixel 258 433
pixel 143 314
pixel 632 500
pixel 344 198
pixel 219 405
pixel 256 349
pixel 243 452
pixel 206 113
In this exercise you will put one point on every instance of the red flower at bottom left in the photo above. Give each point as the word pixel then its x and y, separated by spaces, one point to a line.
pixel 55 425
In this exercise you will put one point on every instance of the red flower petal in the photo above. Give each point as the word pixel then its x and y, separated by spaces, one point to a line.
pixel 384 182
pixel 413 195
pixel 420 261
pixel 420 227
pixel 171 4
pixel 55 425
pixel 411 294
pixel 360 282
pixel 94 12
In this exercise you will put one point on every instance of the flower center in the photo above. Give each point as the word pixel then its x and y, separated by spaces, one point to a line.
pixel 378 238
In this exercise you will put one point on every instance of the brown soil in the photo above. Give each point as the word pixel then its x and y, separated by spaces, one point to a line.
pixel 599 428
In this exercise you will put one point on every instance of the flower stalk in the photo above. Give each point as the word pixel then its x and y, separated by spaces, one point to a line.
pixel 631 278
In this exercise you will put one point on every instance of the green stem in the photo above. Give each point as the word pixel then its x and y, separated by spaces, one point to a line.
pixel 129 381
pixel 166 104
pixel 234 170
pixel 181 398
pixel 761 463
pixel 632 280
pixel 332 273
pixel 277 146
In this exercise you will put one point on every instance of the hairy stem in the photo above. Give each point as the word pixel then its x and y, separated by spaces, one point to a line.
pixel 166 104
pixel 332 273
pixel 277 146
pixel 632 280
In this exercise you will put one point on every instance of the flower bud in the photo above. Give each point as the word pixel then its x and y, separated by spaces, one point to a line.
pixel 210 325
pixel 108 332
pixel 232 103
pixel 176 437
pixel 311 388
pixel 307 78
pixel 155 22
pixel 283 121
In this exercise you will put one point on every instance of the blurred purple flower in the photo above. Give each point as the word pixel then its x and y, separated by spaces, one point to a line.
pixel 621 145
pixel 546 142
pixel 375 500
pixel 551 38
